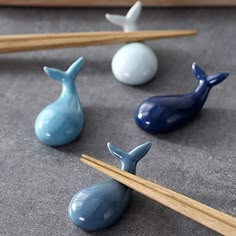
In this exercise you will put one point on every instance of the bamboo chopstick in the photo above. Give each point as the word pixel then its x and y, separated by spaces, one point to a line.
pixel 205 215
pixel 115 3
pixel 29 42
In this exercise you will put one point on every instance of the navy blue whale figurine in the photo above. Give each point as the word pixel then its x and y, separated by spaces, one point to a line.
pixel 99 206
pixel 166 113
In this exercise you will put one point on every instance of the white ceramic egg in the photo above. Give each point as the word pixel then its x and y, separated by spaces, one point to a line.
pixel 134 63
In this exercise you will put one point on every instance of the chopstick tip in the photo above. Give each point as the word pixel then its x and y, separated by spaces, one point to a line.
pixel 83 155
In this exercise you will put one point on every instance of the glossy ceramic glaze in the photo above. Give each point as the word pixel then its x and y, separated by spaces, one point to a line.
pixel 61 121
pixel 165 113
pixel 134 63
pixel 99 206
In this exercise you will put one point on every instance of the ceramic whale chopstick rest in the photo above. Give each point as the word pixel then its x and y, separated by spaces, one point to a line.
pixel 61 122
pixel 166 113
pixel 99 206
pixel 214 219
pixel 134 63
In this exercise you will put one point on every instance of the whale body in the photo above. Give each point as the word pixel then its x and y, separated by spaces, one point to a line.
pixel 166 113
pixel 61 122
pixel 134 63
pixel 99 206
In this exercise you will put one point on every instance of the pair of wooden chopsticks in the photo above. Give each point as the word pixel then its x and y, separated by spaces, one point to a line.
pixel 205 215
pixel 29 42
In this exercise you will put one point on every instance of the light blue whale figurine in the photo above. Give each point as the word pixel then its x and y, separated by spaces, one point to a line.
pixel 100 205
pixel 61 122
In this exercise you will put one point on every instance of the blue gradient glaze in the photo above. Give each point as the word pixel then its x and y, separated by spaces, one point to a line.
pixel 61 122
pixel 166 113
pixel 100 205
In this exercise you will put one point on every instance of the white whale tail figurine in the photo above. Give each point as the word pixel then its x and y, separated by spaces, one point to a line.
pixel 128 22
pixel 134 63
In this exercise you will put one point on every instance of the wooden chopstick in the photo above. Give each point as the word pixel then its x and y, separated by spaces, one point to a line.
pixel 205 215
pixel 29 42
pixel 15 37
pixel 114 3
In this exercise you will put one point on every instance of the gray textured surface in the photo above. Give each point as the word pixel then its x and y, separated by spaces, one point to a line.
pixel 37 182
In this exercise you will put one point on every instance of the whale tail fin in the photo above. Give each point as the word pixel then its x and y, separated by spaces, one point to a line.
pixel 211 80
pixel 215 79
pixel 129 160
pixel 70 74
pixel 128 22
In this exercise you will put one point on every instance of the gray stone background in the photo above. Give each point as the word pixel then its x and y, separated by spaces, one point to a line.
pixel 37 181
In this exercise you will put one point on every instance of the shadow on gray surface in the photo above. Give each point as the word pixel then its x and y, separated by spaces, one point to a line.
pixel 170 60
pixel 208 129
pixel 99 125
pixel 28 65
pixel 205 131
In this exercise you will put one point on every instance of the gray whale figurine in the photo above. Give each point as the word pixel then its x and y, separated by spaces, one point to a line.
pixel 99 206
